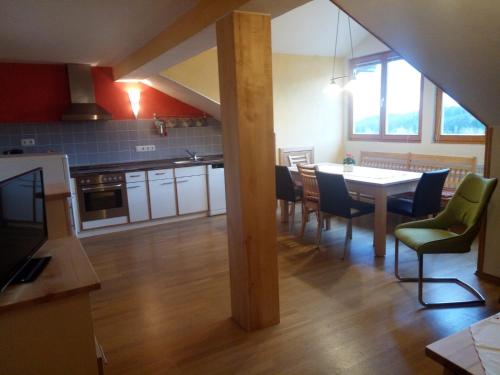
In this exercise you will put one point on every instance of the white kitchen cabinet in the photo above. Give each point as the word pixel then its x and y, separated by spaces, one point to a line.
pixel 138 208
pixel 136 176
pixel 190 171
pixel 216 189
pixel 192 194
pixel 162 198
pixel 160 174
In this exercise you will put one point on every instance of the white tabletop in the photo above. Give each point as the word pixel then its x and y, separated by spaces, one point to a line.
pixel 366 175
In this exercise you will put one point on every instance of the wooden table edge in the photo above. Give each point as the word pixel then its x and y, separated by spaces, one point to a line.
pixel 56 196
pixel 50 298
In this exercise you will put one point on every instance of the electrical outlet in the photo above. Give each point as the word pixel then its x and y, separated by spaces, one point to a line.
pixel 27 142
pixel 145 148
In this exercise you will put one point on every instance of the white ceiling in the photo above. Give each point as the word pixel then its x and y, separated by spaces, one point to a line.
pixel 104 32
pixel 310 30
pixel 81 31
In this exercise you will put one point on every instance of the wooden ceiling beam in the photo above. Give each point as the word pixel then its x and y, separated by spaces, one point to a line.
pixel 200 16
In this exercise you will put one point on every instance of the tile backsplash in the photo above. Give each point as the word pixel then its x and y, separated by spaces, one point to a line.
pixel 97 142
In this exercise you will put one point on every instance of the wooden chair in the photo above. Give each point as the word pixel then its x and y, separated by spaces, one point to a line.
pixel 291 156
pixel 310 195
pixel 298 159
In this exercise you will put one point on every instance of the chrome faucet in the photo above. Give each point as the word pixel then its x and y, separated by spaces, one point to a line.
pixel 193 155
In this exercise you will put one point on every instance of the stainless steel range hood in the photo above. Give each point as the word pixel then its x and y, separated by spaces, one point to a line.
pixel 83 106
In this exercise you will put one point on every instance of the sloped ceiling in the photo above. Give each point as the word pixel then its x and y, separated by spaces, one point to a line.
pixel 89 32
pixel 310 30
pixel 456 44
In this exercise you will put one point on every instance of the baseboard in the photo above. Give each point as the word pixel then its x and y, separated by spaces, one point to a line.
pixel 143 224
pixel 488 277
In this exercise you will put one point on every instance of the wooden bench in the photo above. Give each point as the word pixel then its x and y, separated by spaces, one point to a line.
pixel 459 166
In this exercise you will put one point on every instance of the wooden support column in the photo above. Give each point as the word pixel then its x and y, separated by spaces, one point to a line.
pixel 488 255
pixel 245 76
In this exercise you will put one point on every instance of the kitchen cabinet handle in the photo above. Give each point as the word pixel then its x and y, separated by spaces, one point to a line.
pixel 167 183
pixel 180 181
pixel 132 187
pixel 135 175
pixel 159 174
pixel 102 187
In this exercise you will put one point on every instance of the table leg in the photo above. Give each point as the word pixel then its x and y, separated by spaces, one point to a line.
pixel 284 211
pixel 380 222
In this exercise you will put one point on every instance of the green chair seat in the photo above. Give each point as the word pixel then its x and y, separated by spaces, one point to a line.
pixel 425 240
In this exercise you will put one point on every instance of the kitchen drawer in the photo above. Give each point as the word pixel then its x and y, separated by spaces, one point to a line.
pixel 190 171
pixel 135 176
pixel 160 174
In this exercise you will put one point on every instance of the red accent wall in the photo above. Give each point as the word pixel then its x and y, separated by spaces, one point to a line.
pixel 40 93
pixel 32 92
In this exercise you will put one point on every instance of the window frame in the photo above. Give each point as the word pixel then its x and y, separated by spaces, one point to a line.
pixel 383 58
pixel 440 138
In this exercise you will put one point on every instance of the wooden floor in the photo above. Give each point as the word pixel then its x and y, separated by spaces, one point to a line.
pixel 164 307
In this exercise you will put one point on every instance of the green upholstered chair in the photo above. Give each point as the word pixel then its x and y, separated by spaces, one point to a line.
pixel 451 231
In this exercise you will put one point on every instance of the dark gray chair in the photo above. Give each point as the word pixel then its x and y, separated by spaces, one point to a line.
pixel 287 190
pixel 426 200
pixel 335 200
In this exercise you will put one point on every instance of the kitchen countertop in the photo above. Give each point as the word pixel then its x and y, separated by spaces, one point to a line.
pixel 144 165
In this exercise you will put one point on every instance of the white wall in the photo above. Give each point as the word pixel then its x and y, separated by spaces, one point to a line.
pixel 371 45
pixel 303 115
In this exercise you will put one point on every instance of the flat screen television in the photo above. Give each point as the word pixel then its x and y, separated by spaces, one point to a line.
pixel 23 227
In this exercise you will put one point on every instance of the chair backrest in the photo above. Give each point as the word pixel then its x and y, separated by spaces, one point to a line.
pixel 285 187
pixel 310 189
pixel 468 204
pixel 335 198
pixel 298 159
pixel 427 199
pixel 305 152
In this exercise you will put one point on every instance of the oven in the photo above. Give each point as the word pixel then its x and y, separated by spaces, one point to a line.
pixel 102 196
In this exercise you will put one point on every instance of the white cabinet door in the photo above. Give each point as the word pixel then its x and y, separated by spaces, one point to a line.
pixel 192 194
pixel 137 194
pixel 162 198
pixel 216 191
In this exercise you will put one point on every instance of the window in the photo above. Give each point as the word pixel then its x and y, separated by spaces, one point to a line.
pixel 386 99
pixel 454 124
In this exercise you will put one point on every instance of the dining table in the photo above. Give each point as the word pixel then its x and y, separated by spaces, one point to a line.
pixel 376 183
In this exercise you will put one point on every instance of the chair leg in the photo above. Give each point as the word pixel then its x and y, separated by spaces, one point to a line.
pixel 320 227
pixel 328 223
pixel 347 237
pixel 292 215
pixel 421 280
pixel 304 219
pixel 350 229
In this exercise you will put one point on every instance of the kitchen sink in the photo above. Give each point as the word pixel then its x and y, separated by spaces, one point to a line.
pixel 189 161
